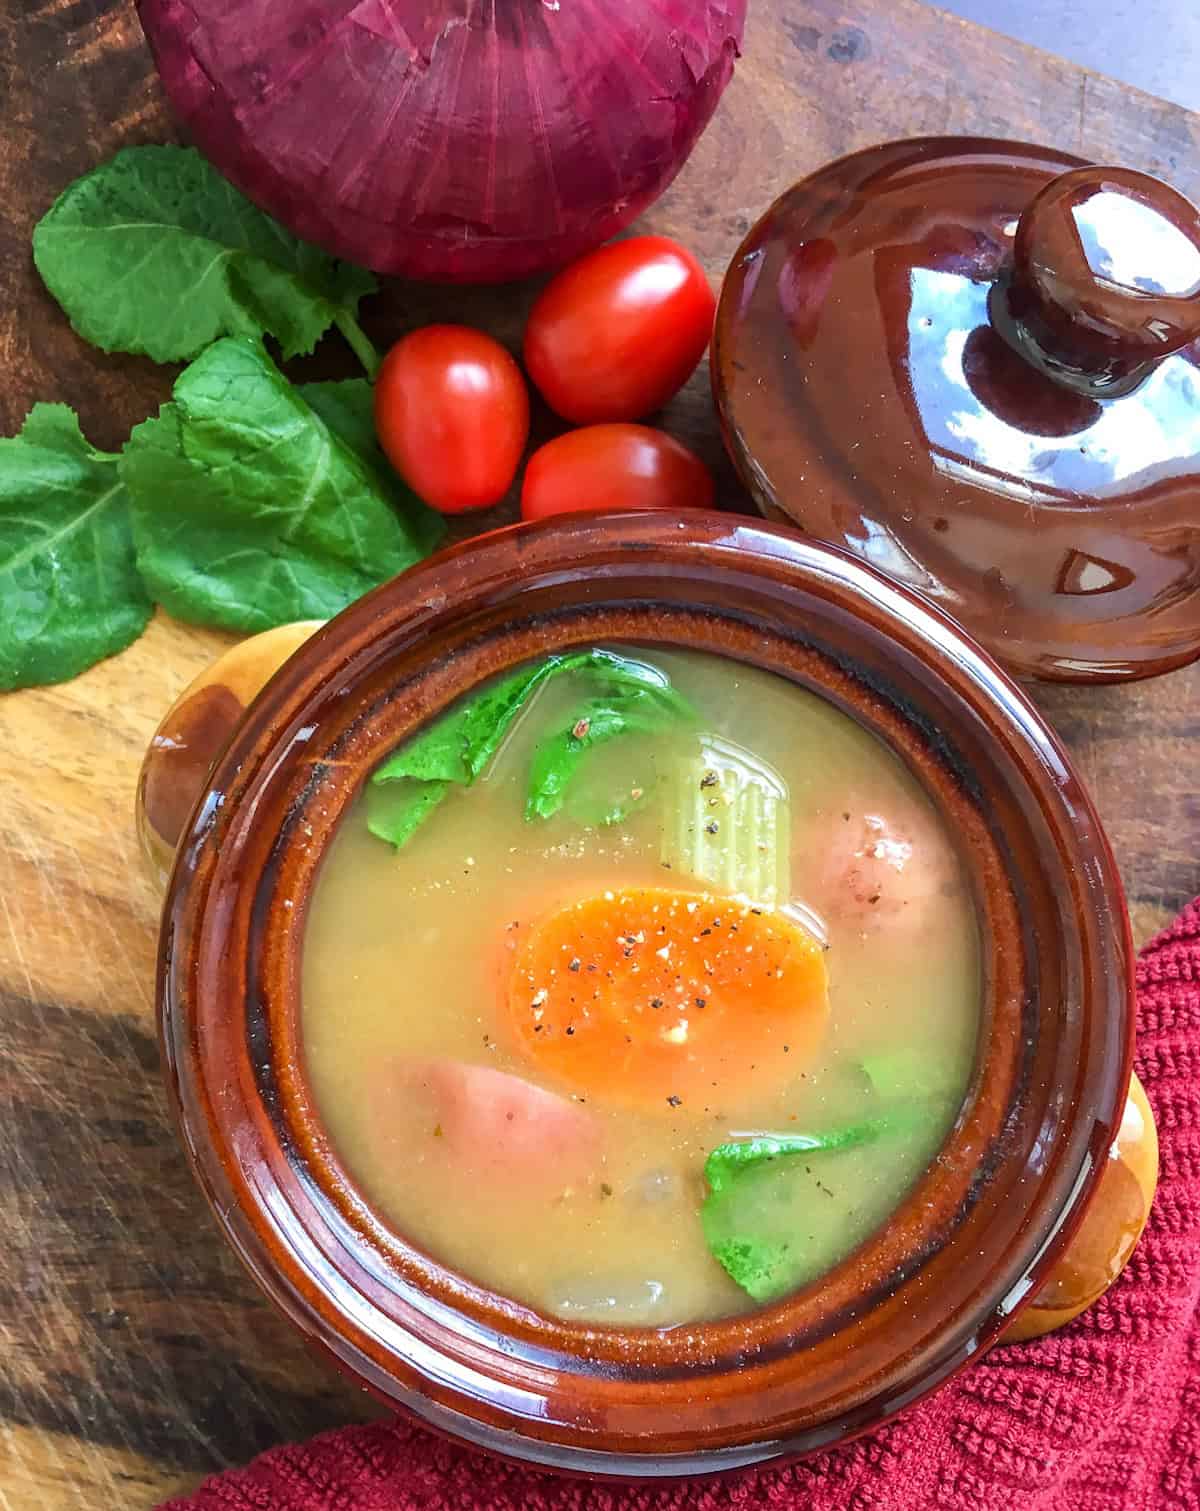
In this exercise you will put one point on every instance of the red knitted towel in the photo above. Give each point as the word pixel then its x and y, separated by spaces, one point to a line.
pixel 1104 1416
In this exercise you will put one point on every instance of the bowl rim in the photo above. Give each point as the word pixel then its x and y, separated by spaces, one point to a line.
pixel 477 1366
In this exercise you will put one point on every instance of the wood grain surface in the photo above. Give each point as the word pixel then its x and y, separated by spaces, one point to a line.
pixel 134 1354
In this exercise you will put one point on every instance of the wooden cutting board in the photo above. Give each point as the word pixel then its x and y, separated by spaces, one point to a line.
pixel 134 1354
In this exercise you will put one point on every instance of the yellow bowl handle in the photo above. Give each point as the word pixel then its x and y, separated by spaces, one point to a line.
pixel 186 745
pixel 1109 1231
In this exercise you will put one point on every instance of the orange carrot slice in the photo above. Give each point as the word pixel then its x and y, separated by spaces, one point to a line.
pixel 665 997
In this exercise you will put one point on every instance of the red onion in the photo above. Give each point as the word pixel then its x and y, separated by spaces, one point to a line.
pixel 459 140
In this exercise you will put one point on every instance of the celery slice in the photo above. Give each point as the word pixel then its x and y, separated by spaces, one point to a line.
pixel 727 823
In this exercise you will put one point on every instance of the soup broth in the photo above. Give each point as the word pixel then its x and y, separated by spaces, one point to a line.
pixel 695 915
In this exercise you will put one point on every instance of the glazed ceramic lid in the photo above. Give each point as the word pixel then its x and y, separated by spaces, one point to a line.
pixel 976 365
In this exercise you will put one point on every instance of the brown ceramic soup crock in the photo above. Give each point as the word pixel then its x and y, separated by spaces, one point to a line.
pixel 967 1246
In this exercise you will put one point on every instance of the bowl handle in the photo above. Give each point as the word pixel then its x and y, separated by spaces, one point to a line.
pixel 1109 1231
pixel 185 746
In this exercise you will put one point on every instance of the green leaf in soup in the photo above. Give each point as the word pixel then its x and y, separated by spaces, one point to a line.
pixel 348 408
pixel 729 1162
pixel 457 747
pixel 397 810
pixel 632 710
pixel 758 1265
pixel 249 510
pixel 70 593
pixel 909 1073
pixel 603 805
pixel 773 1220
pixel 155 252
pixel 452 750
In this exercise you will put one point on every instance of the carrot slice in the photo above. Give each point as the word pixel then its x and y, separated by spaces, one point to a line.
pixel 661 997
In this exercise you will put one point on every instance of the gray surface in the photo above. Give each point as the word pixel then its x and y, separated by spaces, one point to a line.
pixel 1154 44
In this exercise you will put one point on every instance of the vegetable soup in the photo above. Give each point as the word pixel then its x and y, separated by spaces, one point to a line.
pixel 640 986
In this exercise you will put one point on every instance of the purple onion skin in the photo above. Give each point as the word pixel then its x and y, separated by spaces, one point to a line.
pixel 459 141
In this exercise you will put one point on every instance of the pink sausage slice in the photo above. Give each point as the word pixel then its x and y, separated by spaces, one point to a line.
pixel 493 1125
pixel 875 870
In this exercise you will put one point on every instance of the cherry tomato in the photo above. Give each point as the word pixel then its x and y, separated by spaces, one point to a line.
pixel 614 467
pixel 619 331
pixel 452 415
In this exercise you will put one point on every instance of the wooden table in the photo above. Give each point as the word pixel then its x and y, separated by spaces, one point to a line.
pixel 134 1354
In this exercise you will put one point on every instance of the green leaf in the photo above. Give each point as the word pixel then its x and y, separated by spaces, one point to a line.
pixel 771 1220
pixel 69 590
pixel 348 408
pixel 155 252
pixel 908 1072
pixel 456 748
pixel 758 1265
pixel 397 811
pixel 249 509
pixel 728 1162
pixel 606 794
pixel 556 761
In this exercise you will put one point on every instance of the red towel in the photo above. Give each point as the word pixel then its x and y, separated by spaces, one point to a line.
pixel 1103 1416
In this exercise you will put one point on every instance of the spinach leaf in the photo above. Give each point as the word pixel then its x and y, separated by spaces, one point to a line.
pixel 455 749
pixel 908 1072
pixel 728 1162
pixel 155 252
pixel 69 588
pixel 395 812
pixel 773 1222
pixel 348 409
pixel 635 710
pixel 249 509
pixel 596 805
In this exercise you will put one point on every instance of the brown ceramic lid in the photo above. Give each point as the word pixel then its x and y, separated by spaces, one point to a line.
pixel 976 365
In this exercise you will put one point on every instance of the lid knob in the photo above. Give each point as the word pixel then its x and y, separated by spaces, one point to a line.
pixel 1106 274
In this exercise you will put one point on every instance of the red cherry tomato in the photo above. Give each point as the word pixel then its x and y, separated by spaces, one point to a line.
pixel 619 331
pixel 452 415
pixel 614 467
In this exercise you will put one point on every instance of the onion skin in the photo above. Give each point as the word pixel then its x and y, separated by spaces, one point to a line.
pixel 461 141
